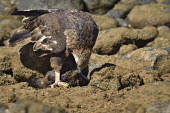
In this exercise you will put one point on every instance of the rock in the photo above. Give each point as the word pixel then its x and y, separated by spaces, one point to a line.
pixel 5 64
pixel 163 1
pixel 105 79
pixel 119 10
pixel 159 107
pixel 125 49
pixel 6 6
pixel 109 41
pixel 166 77
pixel 12 98
pixel 123 22
pixel 149 98
pixel 162 39
pixel 97 61
pixel 137 2
pixel 99 6
pixel 3 108
pixel 7 26
pixel 114 13
pixel 147 33
pixel 160 12
pixel 23 64
pixel 6 79
pixel 47 4
pixel 146 59
pixel 104 22
pixel 33 106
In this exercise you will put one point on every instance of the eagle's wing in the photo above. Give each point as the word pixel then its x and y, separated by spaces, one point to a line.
pixel 42 28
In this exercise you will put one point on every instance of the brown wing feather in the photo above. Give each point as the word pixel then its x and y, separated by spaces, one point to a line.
pixel 45 32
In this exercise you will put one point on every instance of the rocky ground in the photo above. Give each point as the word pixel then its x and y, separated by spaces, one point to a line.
pixel 129 68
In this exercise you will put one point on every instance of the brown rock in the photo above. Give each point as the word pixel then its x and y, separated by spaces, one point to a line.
pixel 109 41
pixel 141 16
pixel 104 22
pixel 33 106
pixel 125 49
pixel 146 59
pixel 99 6
pixel 149 98
pixel 162 39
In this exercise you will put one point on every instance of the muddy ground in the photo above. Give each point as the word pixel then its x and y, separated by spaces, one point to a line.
pixel 129 69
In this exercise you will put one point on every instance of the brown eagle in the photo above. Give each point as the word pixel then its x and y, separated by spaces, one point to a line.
pixel 58 30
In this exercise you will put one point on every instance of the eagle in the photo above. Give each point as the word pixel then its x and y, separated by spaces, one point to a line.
pixel 56 31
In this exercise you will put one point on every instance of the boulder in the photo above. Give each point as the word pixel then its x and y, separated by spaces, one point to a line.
pixel 99 6
pixel 125 49
pixel 149 98
pixel 12 63
pixel 104 22
pixel 120 10
pixel 6 79
pixel 146 59
pixel 7 25
pixel 47 4
pixel 109 41
pixel 6 6
pixel 137 2
pixel 162 39
pixel 141 16
pixel 163 1
pixel 33 106
pixel 114 13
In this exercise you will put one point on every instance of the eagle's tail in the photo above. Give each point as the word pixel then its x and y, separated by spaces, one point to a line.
pixel 30 12
pixel 20 36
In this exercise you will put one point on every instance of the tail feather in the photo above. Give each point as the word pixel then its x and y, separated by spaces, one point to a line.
pixel 19 36
pixel 30 12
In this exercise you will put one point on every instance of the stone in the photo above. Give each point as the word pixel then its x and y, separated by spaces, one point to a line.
pixel 6 6
pixel 3 108
pixel 7 79
pixel 162 39
pixel 141 16
pixel 7 26
pixel 114 13
pixel 125 49
pixel 104 22
pixel 109 41
pixel 119 10
pixel 147 59
pixel 149 98
pixel 33 106
pixel 159 107
pixel 47 4
pixel 163 1
pixel 137 2
pixel 99 6
pixel 123 22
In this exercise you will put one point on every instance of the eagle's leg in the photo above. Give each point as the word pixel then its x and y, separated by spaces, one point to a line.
pixel 56 64
pixel 80 61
